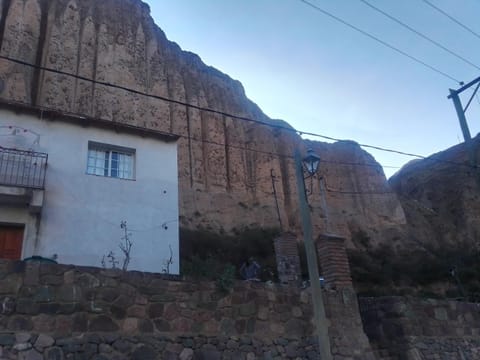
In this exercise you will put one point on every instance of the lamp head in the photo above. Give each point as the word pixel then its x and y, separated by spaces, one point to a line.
pixel 311 162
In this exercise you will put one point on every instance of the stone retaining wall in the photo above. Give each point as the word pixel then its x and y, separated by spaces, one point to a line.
pixel 65 299
pixel 60 312
pixel 106 346
pixel 417 329
pixel 57 312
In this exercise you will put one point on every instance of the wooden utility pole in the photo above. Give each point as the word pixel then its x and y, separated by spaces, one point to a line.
pixel 317 297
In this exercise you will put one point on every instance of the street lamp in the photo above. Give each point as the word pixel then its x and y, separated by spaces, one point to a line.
pixel 310 163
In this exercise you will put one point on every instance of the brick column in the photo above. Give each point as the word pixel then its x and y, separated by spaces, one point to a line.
pixel 288 258
pixel 334 261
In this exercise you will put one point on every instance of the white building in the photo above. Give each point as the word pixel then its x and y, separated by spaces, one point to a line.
pixel 67 183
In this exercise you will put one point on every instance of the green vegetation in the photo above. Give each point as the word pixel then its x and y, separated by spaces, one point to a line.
pixel 226 280
pixel 443 271
pixel 214 256
pixel 440 272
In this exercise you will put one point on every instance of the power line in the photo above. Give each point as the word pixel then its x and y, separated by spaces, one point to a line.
pixel 384 43
pixel 287 156
pixel 142 93
pixel 225 114
pixel 258 180
pixel 320 177
pixel 200 108
pixel 216 143
pixel 436 43
pixel 344 192
pixel 451 18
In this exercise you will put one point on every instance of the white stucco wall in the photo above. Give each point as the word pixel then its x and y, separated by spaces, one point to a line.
pixel 80 219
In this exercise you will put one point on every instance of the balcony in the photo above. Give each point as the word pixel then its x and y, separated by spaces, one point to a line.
pixel 22 168
pixel 22 178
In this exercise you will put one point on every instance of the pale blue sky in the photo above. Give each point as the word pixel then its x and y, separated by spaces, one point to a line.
pixel 321 76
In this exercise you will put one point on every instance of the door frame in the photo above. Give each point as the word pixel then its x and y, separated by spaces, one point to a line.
pixel 22 226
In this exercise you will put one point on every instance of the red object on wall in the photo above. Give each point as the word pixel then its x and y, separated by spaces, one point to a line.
pixel 11 239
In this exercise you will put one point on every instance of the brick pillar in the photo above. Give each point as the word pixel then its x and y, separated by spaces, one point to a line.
pixel 288 259
pixel 334 261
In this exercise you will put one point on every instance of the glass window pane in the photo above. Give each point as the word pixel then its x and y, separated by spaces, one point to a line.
pixel 114 165
pixel 111 163
pixel 96 162
pixel 105 162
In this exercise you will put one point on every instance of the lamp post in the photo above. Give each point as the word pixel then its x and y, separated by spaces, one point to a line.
pixel 310 164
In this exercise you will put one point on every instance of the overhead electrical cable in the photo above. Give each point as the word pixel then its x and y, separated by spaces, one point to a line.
pixel 423 36
pixel 334 191
pixel 452 18
pixel 216 143
pixel 384 43
pixel 270 153
pixel 223 113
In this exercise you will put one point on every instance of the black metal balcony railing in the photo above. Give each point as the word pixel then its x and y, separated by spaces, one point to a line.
pixel 22 168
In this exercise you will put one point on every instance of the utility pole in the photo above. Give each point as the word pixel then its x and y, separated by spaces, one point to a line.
pixel 317 297
pixel 272 175
pixel 455 96
pixel 461 115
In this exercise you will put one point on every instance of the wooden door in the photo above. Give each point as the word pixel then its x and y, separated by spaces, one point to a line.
pixel 11 239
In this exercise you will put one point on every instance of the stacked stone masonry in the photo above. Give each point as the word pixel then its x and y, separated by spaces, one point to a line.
pixel 50 312
pixel 65 312
pixel 414 329
pixel 103 346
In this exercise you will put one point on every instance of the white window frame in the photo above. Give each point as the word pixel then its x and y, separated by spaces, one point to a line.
pixel 101 160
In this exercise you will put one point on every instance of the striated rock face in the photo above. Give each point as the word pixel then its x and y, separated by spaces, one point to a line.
pixel 441 197
pixel 225 165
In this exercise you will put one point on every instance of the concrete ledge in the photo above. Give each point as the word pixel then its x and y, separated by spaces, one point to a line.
pixel 13 190
pixel 20 196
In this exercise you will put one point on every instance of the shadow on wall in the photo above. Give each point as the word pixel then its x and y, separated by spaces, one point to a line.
pixel 410 328
pixel 426 271
pixel 206 254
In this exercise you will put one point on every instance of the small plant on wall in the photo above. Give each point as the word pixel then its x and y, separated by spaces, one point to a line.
pixel 125 246
pixel 226 280
pixel 168 262
pixel 110 259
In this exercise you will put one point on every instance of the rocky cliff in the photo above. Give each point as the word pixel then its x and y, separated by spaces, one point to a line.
pixel 441 197
pixel 439 251
pixel 225 165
